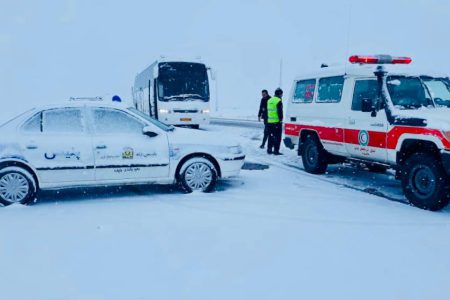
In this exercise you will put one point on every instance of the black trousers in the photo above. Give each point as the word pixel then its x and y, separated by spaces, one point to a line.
pixel 275 133
pixel 266 134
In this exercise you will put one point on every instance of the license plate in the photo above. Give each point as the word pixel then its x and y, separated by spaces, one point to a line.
pixel 186 119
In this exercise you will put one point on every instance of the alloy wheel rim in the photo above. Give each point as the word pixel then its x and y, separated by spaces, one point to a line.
pixel 198 176
pixel 14 187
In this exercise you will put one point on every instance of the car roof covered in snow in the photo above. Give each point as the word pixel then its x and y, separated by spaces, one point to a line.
pixel 83 103
pixel 65 104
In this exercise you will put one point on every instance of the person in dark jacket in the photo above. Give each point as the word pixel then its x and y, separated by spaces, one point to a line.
pixel 262 115
pixel 275 122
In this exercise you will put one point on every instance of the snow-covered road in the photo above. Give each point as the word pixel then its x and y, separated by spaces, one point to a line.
pixel 274 234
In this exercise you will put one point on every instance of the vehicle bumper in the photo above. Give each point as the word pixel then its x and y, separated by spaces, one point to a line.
pixel 231 166
pixel 446 161
pixel 184 119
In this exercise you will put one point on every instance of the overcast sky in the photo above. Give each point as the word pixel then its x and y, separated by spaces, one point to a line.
pixel 51 50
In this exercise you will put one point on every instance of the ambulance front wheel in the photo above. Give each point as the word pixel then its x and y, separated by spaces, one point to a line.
pixel 425 182
pixel 314 156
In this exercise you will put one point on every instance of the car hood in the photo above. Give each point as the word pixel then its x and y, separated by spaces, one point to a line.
pixel 436 118
pixel 200 137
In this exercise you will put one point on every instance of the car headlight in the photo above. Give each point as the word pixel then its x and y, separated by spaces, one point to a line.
pixel 235 150
pixel 205 111
pixel 164 111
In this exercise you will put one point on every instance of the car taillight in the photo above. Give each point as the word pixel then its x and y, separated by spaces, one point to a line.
pixel 378 59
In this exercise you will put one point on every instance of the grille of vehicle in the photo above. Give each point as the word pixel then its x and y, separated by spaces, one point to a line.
pixel 185 111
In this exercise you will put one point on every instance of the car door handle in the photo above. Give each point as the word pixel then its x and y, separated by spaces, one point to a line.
pixel 101 147
pixel 32 147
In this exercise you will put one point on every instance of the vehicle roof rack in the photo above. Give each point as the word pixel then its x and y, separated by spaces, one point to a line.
pixel 86 99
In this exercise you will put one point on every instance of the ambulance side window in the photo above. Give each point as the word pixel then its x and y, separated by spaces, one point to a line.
pixel 364 89
pixel 304 91
pixel 330 89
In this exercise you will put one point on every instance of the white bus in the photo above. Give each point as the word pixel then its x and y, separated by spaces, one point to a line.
pixel 174 92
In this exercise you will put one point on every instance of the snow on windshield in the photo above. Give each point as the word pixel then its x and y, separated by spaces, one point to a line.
pixel 407 92
pixel 439 90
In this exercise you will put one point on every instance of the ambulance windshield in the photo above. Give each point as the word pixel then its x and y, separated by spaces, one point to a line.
pixel 439 89
pixel 408 92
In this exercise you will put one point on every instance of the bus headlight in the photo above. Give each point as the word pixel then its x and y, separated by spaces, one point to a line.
pixel 235 149
pixel 164 111
pixel 205 111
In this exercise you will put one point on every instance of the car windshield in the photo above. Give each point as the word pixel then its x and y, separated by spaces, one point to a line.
pixel 155 122
pixel 181 81
pixel 439 89
pixel 408 92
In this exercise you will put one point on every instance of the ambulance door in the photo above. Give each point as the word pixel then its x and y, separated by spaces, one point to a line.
pixel 365 135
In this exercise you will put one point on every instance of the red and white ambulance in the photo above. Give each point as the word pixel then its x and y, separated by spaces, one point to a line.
pixel 375 113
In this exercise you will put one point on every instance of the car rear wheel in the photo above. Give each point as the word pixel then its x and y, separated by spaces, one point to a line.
pixel 16 186
pixel 425 182
pixel 198 174
pixel 314 157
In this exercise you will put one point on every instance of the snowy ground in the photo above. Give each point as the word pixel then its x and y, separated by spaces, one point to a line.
pixel 274 234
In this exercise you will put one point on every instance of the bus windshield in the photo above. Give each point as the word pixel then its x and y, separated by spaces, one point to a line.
pixel 182 81
pixel 408 92
pixel 439 89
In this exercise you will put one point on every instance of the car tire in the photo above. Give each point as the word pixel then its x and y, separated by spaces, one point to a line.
pixel 314 156
pixel 17 185
pixel 374 168
pixel 198 174
pixel 425 182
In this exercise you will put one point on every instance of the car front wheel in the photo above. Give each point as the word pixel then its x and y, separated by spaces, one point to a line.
pixel 16 186
pixel 198 174
pixel 425 182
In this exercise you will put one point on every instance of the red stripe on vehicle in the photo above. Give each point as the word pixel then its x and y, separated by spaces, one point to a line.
pixel 377 139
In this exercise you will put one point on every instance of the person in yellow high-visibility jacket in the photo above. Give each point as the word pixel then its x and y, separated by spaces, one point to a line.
pixel 275 122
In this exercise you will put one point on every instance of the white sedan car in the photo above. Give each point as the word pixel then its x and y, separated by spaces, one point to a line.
pixel 94 143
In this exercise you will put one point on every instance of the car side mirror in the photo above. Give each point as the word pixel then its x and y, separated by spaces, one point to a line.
pixel 148 131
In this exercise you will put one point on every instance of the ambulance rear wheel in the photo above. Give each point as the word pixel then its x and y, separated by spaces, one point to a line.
pixel 425 182
pixel 314 157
